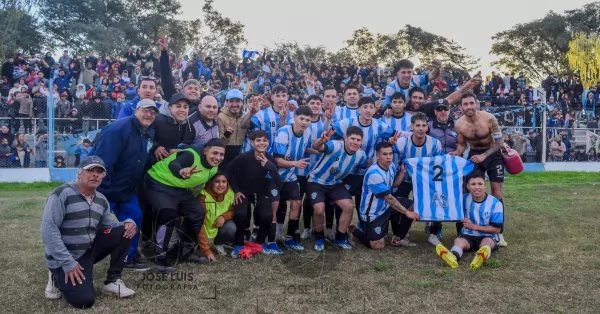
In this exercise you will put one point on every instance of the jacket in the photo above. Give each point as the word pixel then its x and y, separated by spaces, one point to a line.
pixel 26 106
pixel 204 131
pixel 447 136
pixel 169 133
pixel 124 147
pixel 226 118
pixel 128 108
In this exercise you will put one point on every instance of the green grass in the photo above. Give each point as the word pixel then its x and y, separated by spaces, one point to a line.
pixel 550 266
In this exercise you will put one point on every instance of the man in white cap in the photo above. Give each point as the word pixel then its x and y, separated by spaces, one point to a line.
pixel 230 121
pixel 78 231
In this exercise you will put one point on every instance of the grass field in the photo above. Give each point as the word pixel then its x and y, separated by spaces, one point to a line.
pixel 551 266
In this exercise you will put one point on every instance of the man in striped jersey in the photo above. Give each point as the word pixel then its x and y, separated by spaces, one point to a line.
pixel 398 120
pixel 325 181
pixel 481 226
pixel 291 143
pixel 78 231
pixel 350 108
pixel 269 119
pixel 405 79
pixel 374 131
pixel 379 207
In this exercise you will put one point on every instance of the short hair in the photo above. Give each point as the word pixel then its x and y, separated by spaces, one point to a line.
pixel 350 86
pixel 148 79
pixel 329 87
pixel 381 145
pixel 214 142
pixel 419 116
pixel 416 90
pixel 475 174
pixel 354 130
pixel 191 82
pixel 398 95
pixel 404 64
pixel 279 89
pixel 303 111
pixel 365 101
pixel 258 134
pixel 86 140
pixel 219 174
pixel 313 97
pixel 467 95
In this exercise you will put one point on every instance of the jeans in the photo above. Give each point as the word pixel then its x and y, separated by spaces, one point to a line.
pixel 129 210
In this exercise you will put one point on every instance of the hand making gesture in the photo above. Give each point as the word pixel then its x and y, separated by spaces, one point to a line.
pixel 329 112
pixel 186 173
pixel 263 160
pixel 326 136
pixel 163 42
pixel 394 139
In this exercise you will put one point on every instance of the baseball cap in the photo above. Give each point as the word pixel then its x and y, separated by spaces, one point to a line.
pixel 179 96
pixel 147 103
pixel 91 162
pixel 442 103
pixel 234 94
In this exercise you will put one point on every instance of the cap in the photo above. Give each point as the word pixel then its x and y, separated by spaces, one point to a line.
pixel 234 94
pixel 177 97
pixel 91 162
pixel 442 103
pixel 147 103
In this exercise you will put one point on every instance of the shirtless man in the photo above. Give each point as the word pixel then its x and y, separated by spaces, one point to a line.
pixel 481 131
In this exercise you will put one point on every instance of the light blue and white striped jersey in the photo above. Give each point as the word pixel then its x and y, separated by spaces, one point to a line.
pixel 335 164
pixel 316 130
pixel 490 211
pixel 341 113
pixel 290 147
pixel 415 81
pixel 266 119
pixel 405 148
pixel 376 132
pixel 399 124
pixel 377 184
pixel 438 185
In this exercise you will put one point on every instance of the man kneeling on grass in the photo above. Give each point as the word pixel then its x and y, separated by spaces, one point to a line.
pixel 78 231
pixel 484 216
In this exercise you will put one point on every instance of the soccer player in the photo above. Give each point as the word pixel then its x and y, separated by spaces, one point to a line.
pixel 481 131
pixel 350 109
pixel 290 144
pixel 325 181
pixel 481 226
pixel 399 120
pixel 374 131
pixel 269 119
pixel 379 207
pixel 405 79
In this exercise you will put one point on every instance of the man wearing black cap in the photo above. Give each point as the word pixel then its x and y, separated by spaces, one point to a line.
pixel 78 231
pixel 172 127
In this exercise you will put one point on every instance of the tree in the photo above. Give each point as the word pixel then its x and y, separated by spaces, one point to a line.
pixel 538 47
pixel 362 47
pixel 585 19
pixel 584 51
pixel 19 29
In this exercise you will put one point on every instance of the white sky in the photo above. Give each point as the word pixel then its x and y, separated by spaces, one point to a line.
pixel 471 23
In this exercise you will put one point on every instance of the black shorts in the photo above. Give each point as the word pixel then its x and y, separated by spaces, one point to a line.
pixel 319 193
pixel 354 184
pixel 404 190
pixel 475 242
pixel 378 228
pixel 272 192
pixel 493 165
pixel 302 182
pixel 290 191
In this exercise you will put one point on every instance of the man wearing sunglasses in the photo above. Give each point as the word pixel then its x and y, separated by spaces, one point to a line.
pixel 442 127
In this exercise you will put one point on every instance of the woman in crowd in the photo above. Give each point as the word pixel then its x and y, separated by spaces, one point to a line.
pixel 217 198
pixel 592 156
pixel 20 140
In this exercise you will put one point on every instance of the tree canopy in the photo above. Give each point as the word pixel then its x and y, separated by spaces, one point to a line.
pixel 584 51
pixel 20 29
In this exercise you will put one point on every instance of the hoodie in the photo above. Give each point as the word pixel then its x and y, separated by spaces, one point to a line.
pixel 170 133
pixel 211 217
pixel 226 118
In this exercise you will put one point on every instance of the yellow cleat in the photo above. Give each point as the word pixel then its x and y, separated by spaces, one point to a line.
pixel 446 255
pixel 480 257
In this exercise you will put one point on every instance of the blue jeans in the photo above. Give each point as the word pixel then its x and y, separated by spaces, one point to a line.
pixel 129 210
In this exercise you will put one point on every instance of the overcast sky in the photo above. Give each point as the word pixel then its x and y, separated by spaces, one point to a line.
pixel 471 23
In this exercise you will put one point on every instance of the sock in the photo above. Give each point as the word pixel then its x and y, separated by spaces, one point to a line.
pixel 339 236
pixel 319 235
pixel 292 228
pixel 271 236
pixel 279 229
pixel 457 251
pixel 504 214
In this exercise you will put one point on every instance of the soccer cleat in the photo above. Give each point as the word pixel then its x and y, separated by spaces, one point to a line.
pixel 236 251
pixel 253 235
pixel 329 235
pixel 291 244
pixel 433 240
pixel 52 292
pixel 119 289
pixel 396 241
pixel 307 233
pixel 446 255
pixel 319 245
pixel 343 244
pixel 274 248
pixel 480 257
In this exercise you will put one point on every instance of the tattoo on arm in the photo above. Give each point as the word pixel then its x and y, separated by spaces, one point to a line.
pixel 395 204
pixel 496 136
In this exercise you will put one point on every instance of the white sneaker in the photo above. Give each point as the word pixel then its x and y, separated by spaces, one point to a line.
pixel 118 288
pixel 220 249
pixel 307 233
pixel 433 240
pixel 330 235
pixel 501 241
pixel 52 292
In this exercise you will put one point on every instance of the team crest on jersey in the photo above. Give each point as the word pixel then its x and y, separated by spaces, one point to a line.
pixel 440 199
pixel 486 214
pixel 347 187
pixel 274 192
pixel 378 230
pixel 313 195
